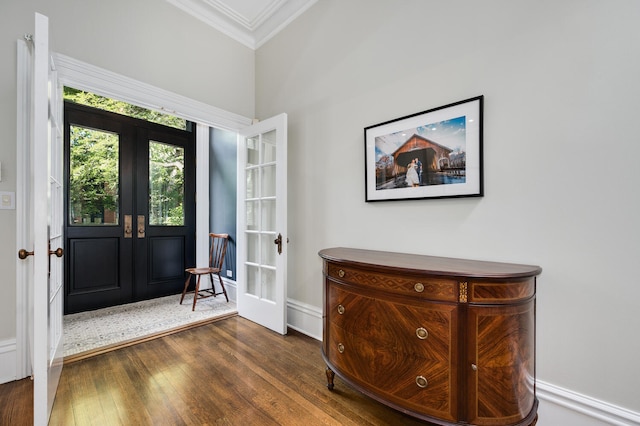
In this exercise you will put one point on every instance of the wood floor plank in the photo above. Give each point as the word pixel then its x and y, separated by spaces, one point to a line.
pixel 232 372
pixel 12 413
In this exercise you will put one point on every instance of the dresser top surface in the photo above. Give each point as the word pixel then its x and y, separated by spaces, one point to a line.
pixel 421 264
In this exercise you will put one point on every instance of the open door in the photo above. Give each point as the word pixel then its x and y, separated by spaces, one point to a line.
pixel 262 223
pixel 43 194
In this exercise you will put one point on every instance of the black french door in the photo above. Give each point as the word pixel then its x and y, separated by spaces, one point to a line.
pixel 129 208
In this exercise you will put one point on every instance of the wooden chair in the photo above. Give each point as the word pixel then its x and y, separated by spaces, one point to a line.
pixel 217 251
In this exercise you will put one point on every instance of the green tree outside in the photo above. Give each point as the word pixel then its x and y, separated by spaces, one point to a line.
pixel 94 167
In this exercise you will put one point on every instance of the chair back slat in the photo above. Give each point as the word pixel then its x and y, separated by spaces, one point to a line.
pixel 218 249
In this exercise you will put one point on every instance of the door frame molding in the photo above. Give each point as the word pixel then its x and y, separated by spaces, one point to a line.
pixel 84 76
pixel 23 352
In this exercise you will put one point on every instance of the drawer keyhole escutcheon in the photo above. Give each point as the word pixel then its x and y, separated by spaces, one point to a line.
pixel 422 333
pixel 421 382
pixel 340 348
pixel 341 273
pixel 340 309
pixel 419 287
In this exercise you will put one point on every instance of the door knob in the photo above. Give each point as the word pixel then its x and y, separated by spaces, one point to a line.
pixel 278 242
pixel 23 254
pixel 58 252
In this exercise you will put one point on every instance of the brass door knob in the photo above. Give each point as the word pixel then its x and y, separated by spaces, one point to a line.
pixel 23 254
pixel 58 252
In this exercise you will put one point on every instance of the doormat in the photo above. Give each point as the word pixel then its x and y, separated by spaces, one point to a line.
pixel 87 331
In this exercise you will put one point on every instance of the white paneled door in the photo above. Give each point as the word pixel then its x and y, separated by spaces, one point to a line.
pixel 44 192
pixel 262 223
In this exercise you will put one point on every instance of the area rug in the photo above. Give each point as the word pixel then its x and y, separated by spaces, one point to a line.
pixel 87 331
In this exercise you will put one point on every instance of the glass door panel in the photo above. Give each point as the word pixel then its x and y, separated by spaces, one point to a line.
pixel 268 181
pixel 252 183
pixel 269 147
pixel 253 248
pixel 93 177
pixel 269 255
pixel 253 151
pixel 269 216
pixel 268 284
pixel 252 215
pixel 166 184
pixel 253 278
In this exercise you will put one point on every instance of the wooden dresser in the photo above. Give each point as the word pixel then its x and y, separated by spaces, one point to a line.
pixel 449 341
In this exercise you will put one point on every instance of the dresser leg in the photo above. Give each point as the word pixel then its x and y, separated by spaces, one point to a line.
pixel 330 376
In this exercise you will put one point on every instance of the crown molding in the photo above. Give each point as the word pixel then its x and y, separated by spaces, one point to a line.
pixel 254 31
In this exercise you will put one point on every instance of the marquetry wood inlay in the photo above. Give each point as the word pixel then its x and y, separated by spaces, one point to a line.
pixel 501 292
pixel 448 341
pixel 431 288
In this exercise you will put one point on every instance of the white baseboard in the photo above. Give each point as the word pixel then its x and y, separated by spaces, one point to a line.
pixel 7 361
pixel 232 289
pixel 559 406
pixel 305 318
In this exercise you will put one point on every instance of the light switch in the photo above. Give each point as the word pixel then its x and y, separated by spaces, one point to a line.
pixel 7 200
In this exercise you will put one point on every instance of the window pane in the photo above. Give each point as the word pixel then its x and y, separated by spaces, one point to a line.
pixel 268 216
pixel 93 177
pixel 166 184
pixel 252 183
pixel 119 107
pixel 253 223
pixel 269 147
pixel 253 152
pixel 268 284
pixel 253 248
pixel 268 181
pixel 269 250
pixel 253 280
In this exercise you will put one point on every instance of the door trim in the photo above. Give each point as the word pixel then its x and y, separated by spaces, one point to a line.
pixel 83 76
pixel 23 355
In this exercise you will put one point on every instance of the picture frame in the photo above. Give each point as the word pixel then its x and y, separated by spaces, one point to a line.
pixel 435 153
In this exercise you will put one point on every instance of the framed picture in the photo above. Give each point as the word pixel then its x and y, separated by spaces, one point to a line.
pixel 432 154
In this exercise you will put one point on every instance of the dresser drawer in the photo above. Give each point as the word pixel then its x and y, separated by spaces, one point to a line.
pixel 421 329
pixel 410 381
pixel 433 288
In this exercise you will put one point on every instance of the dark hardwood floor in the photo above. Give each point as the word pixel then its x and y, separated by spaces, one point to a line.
pixel 231 372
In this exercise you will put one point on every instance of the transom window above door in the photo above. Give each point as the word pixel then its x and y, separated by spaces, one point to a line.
pixel 124 108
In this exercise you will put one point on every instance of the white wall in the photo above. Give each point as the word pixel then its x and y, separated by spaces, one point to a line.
pixel 148 40
pixel 561 148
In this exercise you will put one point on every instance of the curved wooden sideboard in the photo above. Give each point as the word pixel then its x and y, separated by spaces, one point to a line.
pixel 449 341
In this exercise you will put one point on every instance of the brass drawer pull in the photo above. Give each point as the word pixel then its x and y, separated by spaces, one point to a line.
pixel 340 309
pixel 341 273
pixel 422 333
pixel 419 287
pixel 340 348
pixel 422 382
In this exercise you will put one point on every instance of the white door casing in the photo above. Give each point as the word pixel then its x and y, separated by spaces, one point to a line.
pixel 262 223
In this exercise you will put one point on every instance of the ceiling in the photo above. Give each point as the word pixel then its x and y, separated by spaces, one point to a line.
pixel 251 22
